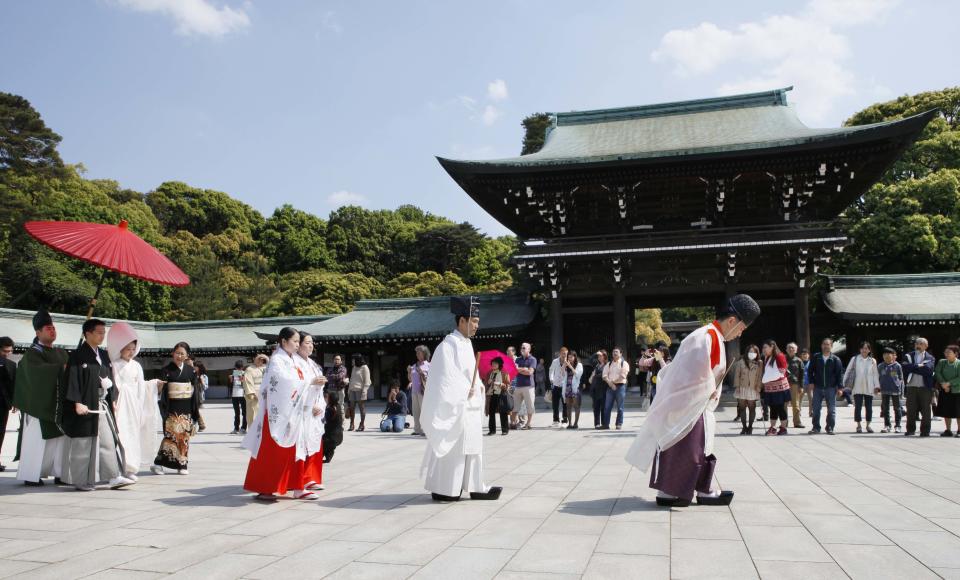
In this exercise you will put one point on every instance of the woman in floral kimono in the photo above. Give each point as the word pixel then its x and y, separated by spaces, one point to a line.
pixel 180 408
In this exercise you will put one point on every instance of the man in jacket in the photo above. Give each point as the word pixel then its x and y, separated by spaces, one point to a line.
pixel 826 379
pixel 918 370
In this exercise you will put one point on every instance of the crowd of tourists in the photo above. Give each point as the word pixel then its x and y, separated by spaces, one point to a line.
pixel 930 387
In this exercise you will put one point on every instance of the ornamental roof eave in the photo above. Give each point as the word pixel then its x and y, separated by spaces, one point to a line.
pixel 893 298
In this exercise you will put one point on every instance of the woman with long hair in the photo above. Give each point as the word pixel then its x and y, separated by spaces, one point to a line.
pixel 863 378
pixel 747 374
pixel 180 410
pixel 776 386
pixel 283 442
pixel 571 389
pixel 357 390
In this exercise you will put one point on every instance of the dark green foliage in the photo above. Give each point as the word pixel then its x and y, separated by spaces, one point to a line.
pixel 27 145
pixel 909 222
pixel 534 132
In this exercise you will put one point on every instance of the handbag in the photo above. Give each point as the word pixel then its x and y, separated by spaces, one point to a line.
pixel 771 373
pixel 506 402
pixel 548 396
pixel 851 377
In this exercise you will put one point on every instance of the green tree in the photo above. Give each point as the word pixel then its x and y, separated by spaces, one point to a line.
pixel 448 247
pixel 489 263
pixel 179 206
pixel 321 292
pixel 27 145
pixel 648 327
pixel 535 132
pixel 429 283
pixel 909 222
pixel 293 240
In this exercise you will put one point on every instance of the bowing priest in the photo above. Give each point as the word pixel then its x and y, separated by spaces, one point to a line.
pixel 92 451
pixel 452 413
pixel 39 375
pixel 676 441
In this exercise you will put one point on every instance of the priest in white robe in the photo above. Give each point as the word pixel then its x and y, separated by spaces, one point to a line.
pixel 676 440
pixel 138 416
pixel 39 380
pixel 452 413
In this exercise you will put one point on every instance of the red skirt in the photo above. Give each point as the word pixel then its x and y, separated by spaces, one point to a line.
pixel 277 470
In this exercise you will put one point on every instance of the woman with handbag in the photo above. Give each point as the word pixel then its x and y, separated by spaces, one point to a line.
pixel 862 379
pixel 499 399
pixel 747 380
pixel 571 389
pixel 776 386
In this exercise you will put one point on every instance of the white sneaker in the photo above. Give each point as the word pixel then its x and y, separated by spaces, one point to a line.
pixel 120 481
pixel 556 423
pixel 156 470
pixel 132 477
pixel 183 472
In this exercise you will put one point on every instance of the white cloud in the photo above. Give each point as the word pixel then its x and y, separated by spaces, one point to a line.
pixel 497 90
pixel 490 115
pixel 807 49
pixel 194 17
pixel 344 197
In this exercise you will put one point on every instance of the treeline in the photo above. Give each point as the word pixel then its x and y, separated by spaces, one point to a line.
pixel 241 263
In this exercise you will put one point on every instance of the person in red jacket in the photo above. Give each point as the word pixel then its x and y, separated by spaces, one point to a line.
pixel 776 386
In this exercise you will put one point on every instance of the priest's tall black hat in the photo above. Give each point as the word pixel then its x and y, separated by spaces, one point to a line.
pixel 42 318
pixel 467 306
pixel 743 307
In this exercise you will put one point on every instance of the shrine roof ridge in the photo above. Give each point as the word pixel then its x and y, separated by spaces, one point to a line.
pixel 761 99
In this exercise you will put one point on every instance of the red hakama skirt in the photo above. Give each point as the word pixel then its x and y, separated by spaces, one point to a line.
pixel 277 470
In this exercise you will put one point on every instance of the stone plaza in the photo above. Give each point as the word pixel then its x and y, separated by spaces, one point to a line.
pixel 858 506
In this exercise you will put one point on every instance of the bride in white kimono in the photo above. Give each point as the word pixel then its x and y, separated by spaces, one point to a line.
pixel 138 417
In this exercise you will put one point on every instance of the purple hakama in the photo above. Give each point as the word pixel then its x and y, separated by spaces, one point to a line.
pixel 684 469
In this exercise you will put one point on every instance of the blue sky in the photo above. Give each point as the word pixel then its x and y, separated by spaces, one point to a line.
pixel 320 103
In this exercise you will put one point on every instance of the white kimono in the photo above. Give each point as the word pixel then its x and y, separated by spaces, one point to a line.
pixel 285 397
pixel 684 388
pixel 453 459
pixel 138 416
pixel 311 435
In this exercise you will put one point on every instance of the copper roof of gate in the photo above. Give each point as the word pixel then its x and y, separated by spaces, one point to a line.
pixel 421 318
pixel 723 125
pixel 895 297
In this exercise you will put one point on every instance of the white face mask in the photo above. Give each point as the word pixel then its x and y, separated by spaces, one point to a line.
pixel 751 355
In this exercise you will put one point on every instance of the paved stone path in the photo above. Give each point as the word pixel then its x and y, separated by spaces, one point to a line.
pixel 860 506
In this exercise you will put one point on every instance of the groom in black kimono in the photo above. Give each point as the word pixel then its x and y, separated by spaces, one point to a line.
pixel 92 451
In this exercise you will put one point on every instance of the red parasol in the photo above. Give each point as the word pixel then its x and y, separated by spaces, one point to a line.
pixel 111 247
pixel 509 366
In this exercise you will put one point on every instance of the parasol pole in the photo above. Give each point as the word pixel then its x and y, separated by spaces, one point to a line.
pixel 93 301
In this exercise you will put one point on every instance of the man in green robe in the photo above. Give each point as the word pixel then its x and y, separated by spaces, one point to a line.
pixel 39 377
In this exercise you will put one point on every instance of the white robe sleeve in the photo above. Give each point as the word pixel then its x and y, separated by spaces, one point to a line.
pixel 445 402
pixel 684 388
